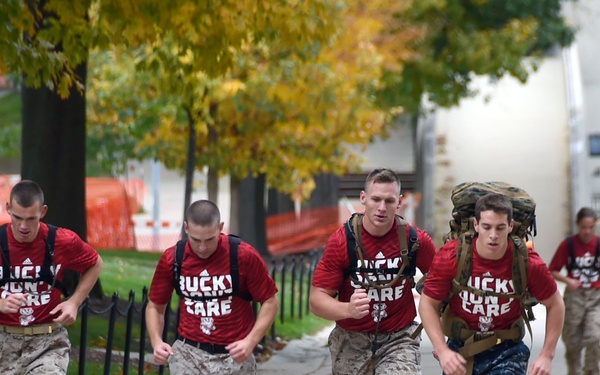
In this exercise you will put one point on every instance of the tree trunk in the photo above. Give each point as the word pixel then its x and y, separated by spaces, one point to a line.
pixel 325 193
pixel 234 206
pixel 279 203
pixel 212 185
pixel 190 167
pixel 212 180
pixel 424 141
pixel 53 155
pixel 252 214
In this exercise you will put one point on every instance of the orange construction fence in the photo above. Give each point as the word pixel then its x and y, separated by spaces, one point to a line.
pixel 290 233
pixel 109 206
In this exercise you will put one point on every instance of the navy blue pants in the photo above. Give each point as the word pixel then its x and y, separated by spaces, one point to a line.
pixel 506 358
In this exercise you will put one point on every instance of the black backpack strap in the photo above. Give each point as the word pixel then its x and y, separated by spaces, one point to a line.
pixel 409 249
pixel 5 255
pixel 571 264
pixel 413 251
pixel 179 250
pixel 46 274
pixel 234 242
pixel 595 264
pixel 351 246
pixel 571 247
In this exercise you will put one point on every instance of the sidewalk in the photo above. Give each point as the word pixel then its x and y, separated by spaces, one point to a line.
pixel 310 356
pixel 306 356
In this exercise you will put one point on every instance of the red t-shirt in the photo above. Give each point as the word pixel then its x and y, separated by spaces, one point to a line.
pixel 486 313
pixel 398 303
pixel 585 254
pixel 218 321
pixel 26 260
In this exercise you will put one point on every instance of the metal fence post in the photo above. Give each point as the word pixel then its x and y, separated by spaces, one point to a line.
pixel 111 334
pixel 83 336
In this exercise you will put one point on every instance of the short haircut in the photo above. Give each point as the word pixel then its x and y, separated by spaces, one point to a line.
pixel 382 175
pixel 26 193
pixel 496 202
pixel 203 213
pixel 585 212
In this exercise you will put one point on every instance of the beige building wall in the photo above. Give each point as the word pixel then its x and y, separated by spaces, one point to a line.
pixel 514 133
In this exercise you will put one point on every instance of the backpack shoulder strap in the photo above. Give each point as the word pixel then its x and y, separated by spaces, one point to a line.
pixel 407 254
pixel 519 272
pixel 351 245
pixel 597 256
pixel 234 243
pixel 571 247
pixel 409 248
pixel 46 273
pixel 178 261
pixel 464 263
pixel 5 255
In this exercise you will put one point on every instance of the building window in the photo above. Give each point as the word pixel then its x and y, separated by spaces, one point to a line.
pixel 595 145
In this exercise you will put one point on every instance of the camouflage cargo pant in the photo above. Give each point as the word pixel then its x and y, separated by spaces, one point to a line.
pixel 398 353
pixel 582 331
pixel 506 358
pixel 189 360
pixel 35 354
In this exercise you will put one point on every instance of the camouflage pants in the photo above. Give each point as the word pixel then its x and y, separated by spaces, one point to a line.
pixel 397 354
pixel 582 331
pixel 507 358
pixel 35 354
pixel 189 360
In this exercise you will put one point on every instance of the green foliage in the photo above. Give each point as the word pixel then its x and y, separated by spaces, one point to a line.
pixel 48 40
pixel 462 39
pixel 10 126
pixel 122 108
pixel 278 115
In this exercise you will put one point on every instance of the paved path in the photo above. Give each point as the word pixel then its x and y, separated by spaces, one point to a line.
pixel 310 356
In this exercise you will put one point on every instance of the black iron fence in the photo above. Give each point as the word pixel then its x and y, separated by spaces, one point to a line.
pixel 292 273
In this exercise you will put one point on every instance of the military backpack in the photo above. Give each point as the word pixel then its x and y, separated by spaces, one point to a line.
pixel 464 196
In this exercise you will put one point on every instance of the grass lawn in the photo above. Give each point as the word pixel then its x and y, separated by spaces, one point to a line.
pixel 126 270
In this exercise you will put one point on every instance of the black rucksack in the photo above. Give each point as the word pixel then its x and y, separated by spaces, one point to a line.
pixel 46 274
pixel 234 242
pixel 408 253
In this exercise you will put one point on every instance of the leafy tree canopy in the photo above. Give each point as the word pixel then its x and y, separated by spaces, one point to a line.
pixel 459 39
pixel 279 88
pixel 47 49
pixel 277 114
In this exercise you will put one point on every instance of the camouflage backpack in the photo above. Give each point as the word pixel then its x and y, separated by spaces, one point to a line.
pixel 464 196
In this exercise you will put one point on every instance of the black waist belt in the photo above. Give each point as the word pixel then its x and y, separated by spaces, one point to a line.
pixel 209 348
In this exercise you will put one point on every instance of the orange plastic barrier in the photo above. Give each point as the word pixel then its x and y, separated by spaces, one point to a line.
pixel 109 206
pixel 288 233
pixel 5 185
